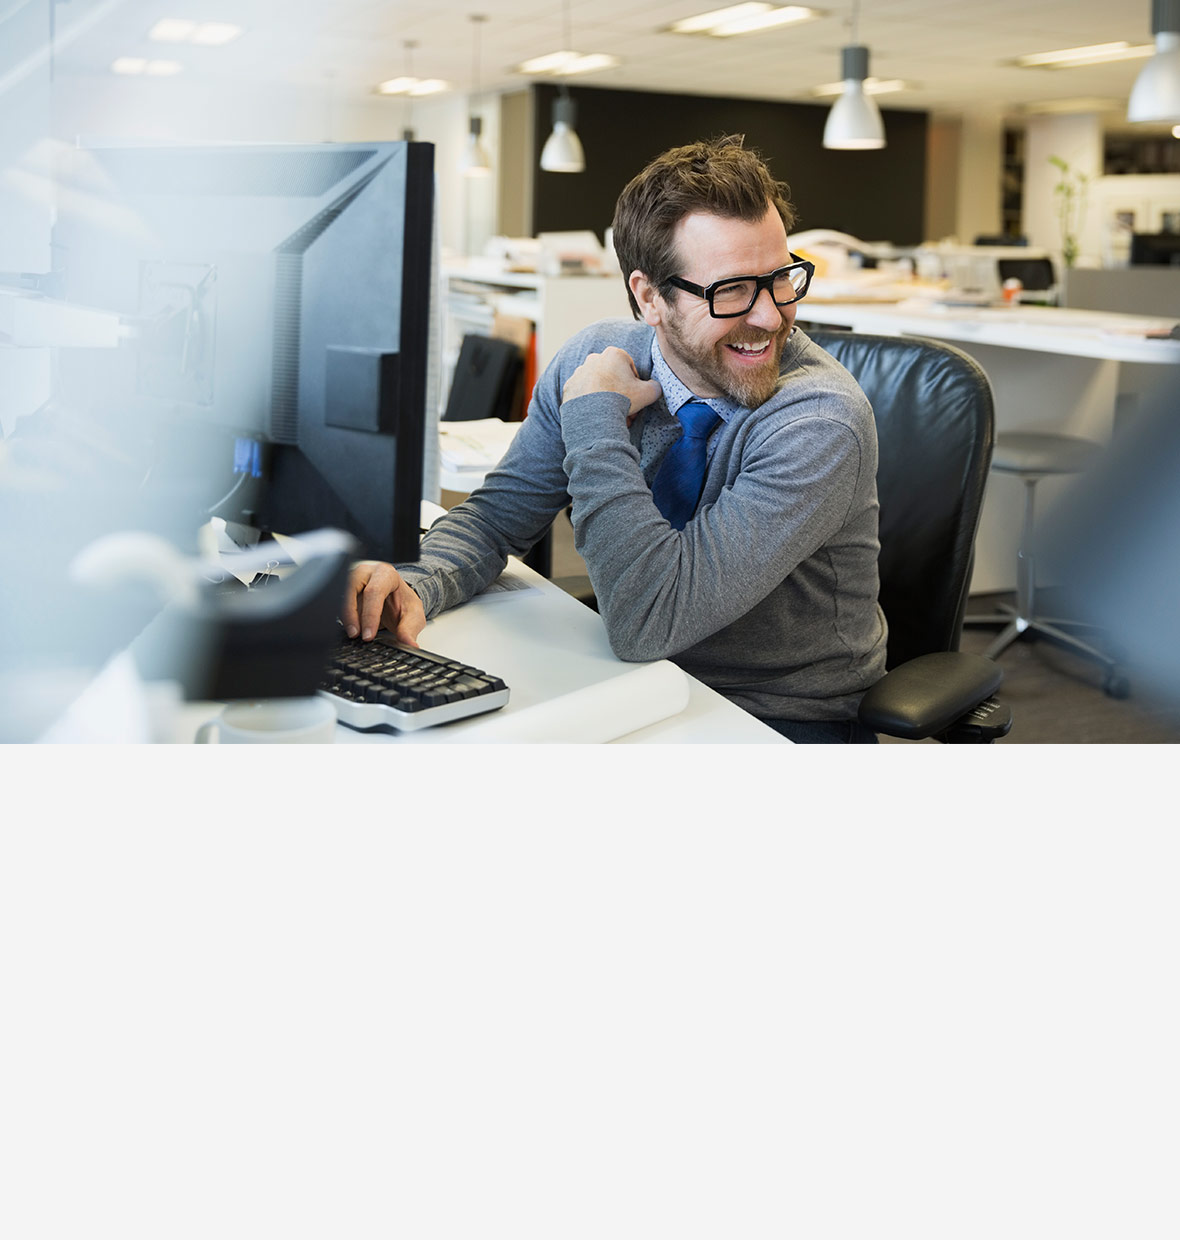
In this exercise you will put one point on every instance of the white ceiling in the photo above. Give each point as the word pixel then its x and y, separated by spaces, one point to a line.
pixel 953 51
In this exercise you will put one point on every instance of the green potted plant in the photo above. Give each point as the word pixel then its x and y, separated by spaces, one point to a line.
pixel 1070 194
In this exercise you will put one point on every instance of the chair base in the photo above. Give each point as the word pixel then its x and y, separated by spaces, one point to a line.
pixel 1015 626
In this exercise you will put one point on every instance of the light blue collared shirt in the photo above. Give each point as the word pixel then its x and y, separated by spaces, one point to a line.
pixel 659 435
pixel 676 394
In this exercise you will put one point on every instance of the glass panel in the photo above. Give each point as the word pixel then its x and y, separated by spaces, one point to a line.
pixel 790 284
pixel 736 295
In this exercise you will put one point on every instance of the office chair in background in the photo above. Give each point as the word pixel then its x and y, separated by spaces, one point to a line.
pixel 934 414
pixel 1038 277
pixel 486 380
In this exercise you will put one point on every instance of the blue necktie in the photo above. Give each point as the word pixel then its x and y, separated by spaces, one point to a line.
pixel 681 477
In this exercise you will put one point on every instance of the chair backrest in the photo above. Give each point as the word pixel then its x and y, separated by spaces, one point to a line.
pixel 485 380
pixel 934 414
pixel 1036 274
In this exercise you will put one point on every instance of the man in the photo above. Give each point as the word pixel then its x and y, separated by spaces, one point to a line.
pixel 762 579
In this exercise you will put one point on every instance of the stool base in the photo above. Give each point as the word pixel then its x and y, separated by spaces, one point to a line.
pixel 1016 626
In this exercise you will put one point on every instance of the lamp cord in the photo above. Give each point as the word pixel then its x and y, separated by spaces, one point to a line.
pixel 477 20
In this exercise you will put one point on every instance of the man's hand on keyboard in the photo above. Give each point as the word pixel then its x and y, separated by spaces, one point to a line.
pixel 378 596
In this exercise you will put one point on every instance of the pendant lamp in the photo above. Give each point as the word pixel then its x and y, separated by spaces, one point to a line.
pixel 854 123
pixel 562 151
pixel 1156 93
pixel 475 162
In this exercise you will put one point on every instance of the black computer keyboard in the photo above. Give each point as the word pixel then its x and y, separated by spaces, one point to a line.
pixel 384 682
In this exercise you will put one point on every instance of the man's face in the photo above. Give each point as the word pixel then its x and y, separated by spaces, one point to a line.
pixel 738 358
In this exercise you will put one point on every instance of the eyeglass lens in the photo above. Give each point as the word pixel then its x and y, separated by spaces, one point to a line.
pixel 738 295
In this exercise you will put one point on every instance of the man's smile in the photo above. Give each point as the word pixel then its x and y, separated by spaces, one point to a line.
pixel 750 349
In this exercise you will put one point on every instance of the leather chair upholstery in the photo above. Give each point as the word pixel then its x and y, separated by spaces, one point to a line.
pixel 934 415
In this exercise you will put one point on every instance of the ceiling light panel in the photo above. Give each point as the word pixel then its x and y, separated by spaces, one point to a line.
pixel 172 30
pixel 549 63
pixel 412 86
pixel 215 34
pixel 182 30
pixel 563 64
pixel 872 86
pixel 134 66
pixel 1074 57
pixel 744 19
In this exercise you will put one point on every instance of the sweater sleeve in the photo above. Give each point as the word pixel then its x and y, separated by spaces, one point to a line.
pixel 662 590
pixel 468 548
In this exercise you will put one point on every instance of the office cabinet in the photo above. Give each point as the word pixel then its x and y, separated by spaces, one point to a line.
pixel 556 306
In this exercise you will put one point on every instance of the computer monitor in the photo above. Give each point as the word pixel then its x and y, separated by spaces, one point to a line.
pixel 274 308
pixel 1155 249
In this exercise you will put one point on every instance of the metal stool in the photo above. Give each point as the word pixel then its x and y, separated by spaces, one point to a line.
pixel 1031 457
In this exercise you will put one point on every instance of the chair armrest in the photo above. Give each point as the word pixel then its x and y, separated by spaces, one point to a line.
pixel 925 696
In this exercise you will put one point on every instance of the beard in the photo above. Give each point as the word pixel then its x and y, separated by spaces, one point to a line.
pixel 749 386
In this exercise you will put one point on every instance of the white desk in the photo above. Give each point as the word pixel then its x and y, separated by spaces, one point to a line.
pixel 566 685
pixel 1071 371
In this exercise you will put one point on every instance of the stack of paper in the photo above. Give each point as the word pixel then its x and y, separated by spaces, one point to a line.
pixel 476 445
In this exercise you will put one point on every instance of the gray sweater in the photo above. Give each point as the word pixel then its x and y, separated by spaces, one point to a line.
pixel 769 593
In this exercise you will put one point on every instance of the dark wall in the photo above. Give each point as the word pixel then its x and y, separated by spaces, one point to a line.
pixel 874 195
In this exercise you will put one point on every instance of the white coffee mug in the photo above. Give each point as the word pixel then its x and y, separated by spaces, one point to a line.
pixel 276 721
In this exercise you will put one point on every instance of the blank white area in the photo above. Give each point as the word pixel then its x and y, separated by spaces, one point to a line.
pixel 674 993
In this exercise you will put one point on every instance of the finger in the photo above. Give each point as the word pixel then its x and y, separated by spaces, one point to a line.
pixel 348 608
pixel 348 616
pixel 625 357
pixel 380 587
pixel 407 632
pixel 410 618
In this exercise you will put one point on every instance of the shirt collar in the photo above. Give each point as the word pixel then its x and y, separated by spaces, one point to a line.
pixel 676 394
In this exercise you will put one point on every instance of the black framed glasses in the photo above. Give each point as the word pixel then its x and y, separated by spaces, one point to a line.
pixel 735 295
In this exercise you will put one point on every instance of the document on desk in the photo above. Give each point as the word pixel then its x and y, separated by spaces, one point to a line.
pixel 477 445
pixel 511 581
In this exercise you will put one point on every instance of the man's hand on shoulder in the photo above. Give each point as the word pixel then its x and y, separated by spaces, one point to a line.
pixel 378 596
pixel 612 370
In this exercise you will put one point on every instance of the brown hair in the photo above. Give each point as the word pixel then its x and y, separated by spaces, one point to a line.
pixel 718 176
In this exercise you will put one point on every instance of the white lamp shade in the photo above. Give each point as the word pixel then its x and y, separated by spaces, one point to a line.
pixel 563 151
pixel 1156 93
pixel 854 123
pixel 475 162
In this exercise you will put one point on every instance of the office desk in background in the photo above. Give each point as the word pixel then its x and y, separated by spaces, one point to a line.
pixel 1075 372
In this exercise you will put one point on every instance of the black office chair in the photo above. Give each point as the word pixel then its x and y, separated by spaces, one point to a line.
pixel 485 381
pixel 934 414
pixel 1038 277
